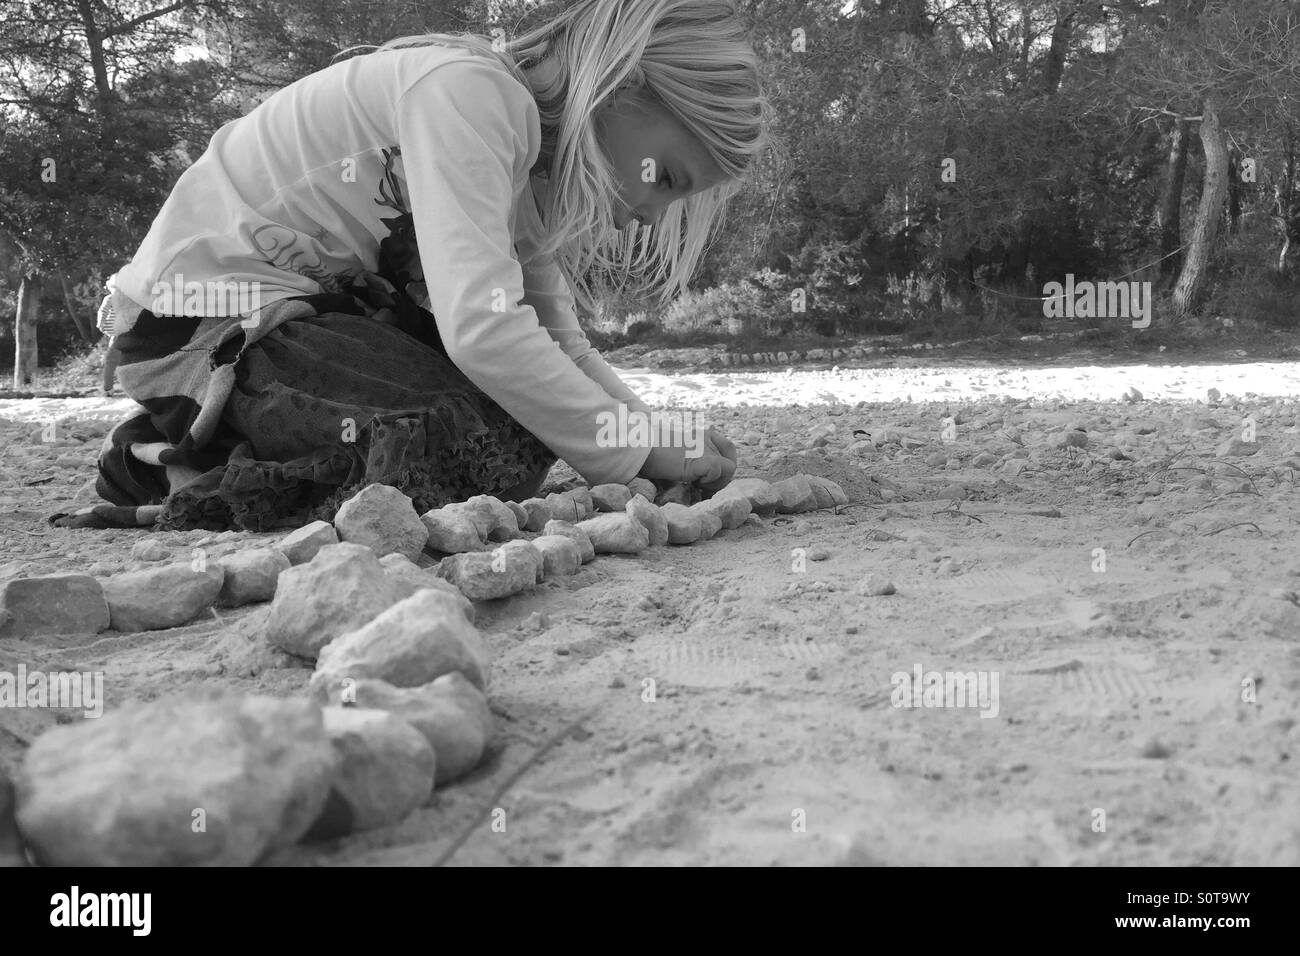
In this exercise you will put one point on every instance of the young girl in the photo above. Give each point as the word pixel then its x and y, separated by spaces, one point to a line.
pixel 371 277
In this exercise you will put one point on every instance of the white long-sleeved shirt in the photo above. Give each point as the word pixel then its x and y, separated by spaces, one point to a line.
pixel 427 145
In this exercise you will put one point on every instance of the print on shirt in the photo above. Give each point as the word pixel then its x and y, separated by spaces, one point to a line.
pixel 399 257
pixel 276 243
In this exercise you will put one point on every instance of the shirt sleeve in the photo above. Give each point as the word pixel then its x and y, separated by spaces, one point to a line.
pixel 464 130
pixel 547 290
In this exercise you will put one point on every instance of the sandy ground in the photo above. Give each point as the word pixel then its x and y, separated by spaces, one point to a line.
pixel 771 735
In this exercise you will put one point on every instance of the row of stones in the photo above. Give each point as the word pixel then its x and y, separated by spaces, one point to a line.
pixel 400 669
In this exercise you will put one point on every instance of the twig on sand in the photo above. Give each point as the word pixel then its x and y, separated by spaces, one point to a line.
pixel 1228 464
pixel 1239 524
pixel 495 800
pixel 958 511
pixel 1145 533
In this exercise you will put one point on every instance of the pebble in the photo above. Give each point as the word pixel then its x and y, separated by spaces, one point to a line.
pixel 611 497
pixel 539 512
pixel 251 576
pixel 386 769
pixel 1155 750
pixel 936 459
pixel 493 517
pixel 1073 439
pixel 411 644
pixel 149 550
pixel 685 525
pixel 54 604
pixel 732 512
pixel 984 459
pixel 384 520
pixel 616 534
pixel 873 586
pixel 341 589
pixel 130 788
pixel 561 555
pixel 762 497
pixel 818 554
pixel 163 597
pixel 450 713
pixel 796 493
pixel 302 545
pixel 827 493
pixel 410 577
pixel 575 534
pixel 572 506
pixel 488 575
pixel 639 509
pixel 451 531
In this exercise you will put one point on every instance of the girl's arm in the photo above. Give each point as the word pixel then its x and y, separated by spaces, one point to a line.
pixel 467 130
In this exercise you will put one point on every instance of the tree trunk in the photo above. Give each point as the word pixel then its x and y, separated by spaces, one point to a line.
pixel 1287 205
pixel 25 354
pixel 78 317
pixel 1171 202
pixel 1054 67
pixel 1234 191
pixel 1209 214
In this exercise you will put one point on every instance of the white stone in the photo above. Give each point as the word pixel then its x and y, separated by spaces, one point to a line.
pixel 251 576
pixel 383 519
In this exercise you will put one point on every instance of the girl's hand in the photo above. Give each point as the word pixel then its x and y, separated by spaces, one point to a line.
pixel 712 470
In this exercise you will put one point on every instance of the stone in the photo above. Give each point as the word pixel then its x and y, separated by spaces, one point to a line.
pixel 52 604
pixel 451 531
pixel 410 577
pixel 526 548
pixel 643 487
pixel 560 555
pixel 251 576
pixel 521 515
pixel 685 525
pixel 161 597
pixel 450 713
pixel 936 459
pixel 874 586
pixel 149 550
pixel 488 575
pixel 562 508
pixel 386 769
pixel 503 525
pixel 128 788
pixel 571 531
pixel 411 644
pixel 343 588
pixel 821 494
pixel 762 497
pixel 1073 439
pixel 539 512
pixel 710 523
pixel 301 546
pixel 11 844
pixel 796 493
pixel 679 493
pixel 837 495
pixel 612 497
pixel 649 515
pixel 383 519
pixel 732 512
pixel 616 534
pixel 984 459
pixel 1236 448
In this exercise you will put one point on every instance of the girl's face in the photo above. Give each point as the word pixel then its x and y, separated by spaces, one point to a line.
pixel 645 142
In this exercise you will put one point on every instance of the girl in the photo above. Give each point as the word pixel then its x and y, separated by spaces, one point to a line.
pixel 372 276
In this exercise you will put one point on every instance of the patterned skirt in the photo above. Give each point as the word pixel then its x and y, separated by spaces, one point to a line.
pixel 275 422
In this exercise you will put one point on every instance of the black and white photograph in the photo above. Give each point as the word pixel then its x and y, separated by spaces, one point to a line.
pixel 651 433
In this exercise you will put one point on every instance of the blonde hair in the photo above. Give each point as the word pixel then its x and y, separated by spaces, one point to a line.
pixel 690 56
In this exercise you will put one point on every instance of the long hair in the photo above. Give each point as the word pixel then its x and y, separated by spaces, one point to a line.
pixel 690 56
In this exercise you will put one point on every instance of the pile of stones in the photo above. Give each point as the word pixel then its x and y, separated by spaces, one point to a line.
pixel 398 698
